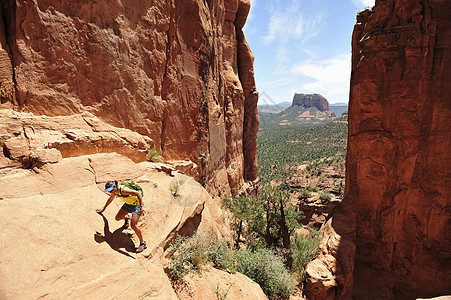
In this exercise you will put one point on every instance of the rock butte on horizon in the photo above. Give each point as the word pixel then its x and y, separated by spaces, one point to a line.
pixel 310 100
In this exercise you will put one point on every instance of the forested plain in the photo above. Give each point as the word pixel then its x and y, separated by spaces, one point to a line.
pixel 281 149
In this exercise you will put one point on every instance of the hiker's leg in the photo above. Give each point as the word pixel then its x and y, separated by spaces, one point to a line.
pixel 121 214
pixel 134 225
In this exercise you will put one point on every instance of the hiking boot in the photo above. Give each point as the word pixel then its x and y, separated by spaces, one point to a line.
pixel 126 222
pixel 142 246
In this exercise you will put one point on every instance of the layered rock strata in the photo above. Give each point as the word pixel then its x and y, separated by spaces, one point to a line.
pixel 395 243
pixel 178 72
pixel 311 100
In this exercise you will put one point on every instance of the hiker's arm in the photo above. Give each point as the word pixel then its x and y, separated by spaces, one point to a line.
pixel 141 203
pixel 108 202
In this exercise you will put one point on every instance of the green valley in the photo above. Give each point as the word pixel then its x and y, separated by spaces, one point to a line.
pixel 303 156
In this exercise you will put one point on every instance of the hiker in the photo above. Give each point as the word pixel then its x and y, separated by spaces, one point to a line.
pixel 133 204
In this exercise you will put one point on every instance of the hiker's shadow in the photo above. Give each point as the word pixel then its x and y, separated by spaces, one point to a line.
pixel 117 240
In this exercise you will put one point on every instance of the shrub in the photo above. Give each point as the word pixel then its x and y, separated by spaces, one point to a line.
pixel 325 196
pixel 315 189
pixel 304 249
pixel 188 254
pixel 267 269
pixel 153 156
pixel 222 256
pixel 305 193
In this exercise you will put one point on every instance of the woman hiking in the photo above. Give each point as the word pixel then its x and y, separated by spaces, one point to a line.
pixel 133 204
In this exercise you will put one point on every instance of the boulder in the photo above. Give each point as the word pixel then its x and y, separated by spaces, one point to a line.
pixel 31 139
pixel 217 284
pixel 319 281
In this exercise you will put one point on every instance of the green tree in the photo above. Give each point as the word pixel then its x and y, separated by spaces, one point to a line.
pixel 244 209
pixel 268 220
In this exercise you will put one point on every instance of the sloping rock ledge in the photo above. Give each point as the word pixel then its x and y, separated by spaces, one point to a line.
pixel 53 243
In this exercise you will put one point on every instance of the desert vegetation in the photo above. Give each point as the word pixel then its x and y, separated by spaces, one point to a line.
pixel 266 246
pixel 266 266
pixel 271 243
pixel 283 151
pixel 153 156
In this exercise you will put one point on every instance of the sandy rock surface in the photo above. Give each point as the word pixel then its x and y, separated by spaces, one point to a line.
pixel 54 244
pixel 213 284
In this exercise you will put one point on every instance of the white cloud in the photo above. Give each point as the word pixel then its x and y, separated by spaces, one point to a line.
pixel 249 29
pixel 283 81
pixel 288 22
pixel 330 77
pixel 363 3
pixel 252 10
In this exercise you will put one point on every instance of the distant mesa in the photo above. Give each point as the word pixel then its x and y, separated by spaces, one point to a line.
pixel 339 104
pixel 310 100
pixel 281 104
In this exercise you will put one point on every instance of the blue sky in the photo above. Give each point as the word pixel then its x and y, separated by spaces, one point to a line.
pixel 302 46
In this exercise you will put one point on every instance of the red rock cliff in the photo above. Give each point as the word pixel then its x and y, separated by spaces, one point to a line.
pixel 309 100
pixel 179 72
pixel 391 236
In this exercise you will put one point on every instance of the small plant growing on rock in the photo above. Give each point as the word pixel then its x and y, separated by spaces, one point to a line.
pixel 325 197
pixel 222 294
pixel 304 249
pixel 305 193
pixel 153 156
pixel 175 186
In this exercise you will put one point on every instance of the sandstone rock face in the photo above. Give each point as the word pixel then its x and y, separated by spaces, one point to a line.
pixel 86 89
pixel 397 177
pixel 178 72
pixel 32 141
pixel 59 247
pixel 217 284
pixel 308 100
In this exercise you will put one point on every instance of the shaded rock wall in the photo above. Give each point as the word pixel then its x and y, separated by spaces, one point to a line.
pixel 310 100
pixel 399 144
pixel 169 70
pixel 390 237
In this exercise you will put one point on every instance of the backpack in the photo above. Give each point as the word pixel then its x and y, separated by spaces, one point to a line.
pixel 134 186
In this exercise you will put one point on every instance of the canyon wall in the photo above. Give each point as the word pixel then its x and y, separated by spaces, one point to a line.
pixel 86 89
pixel 391 237
pixel 178 72
pixel 399 145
